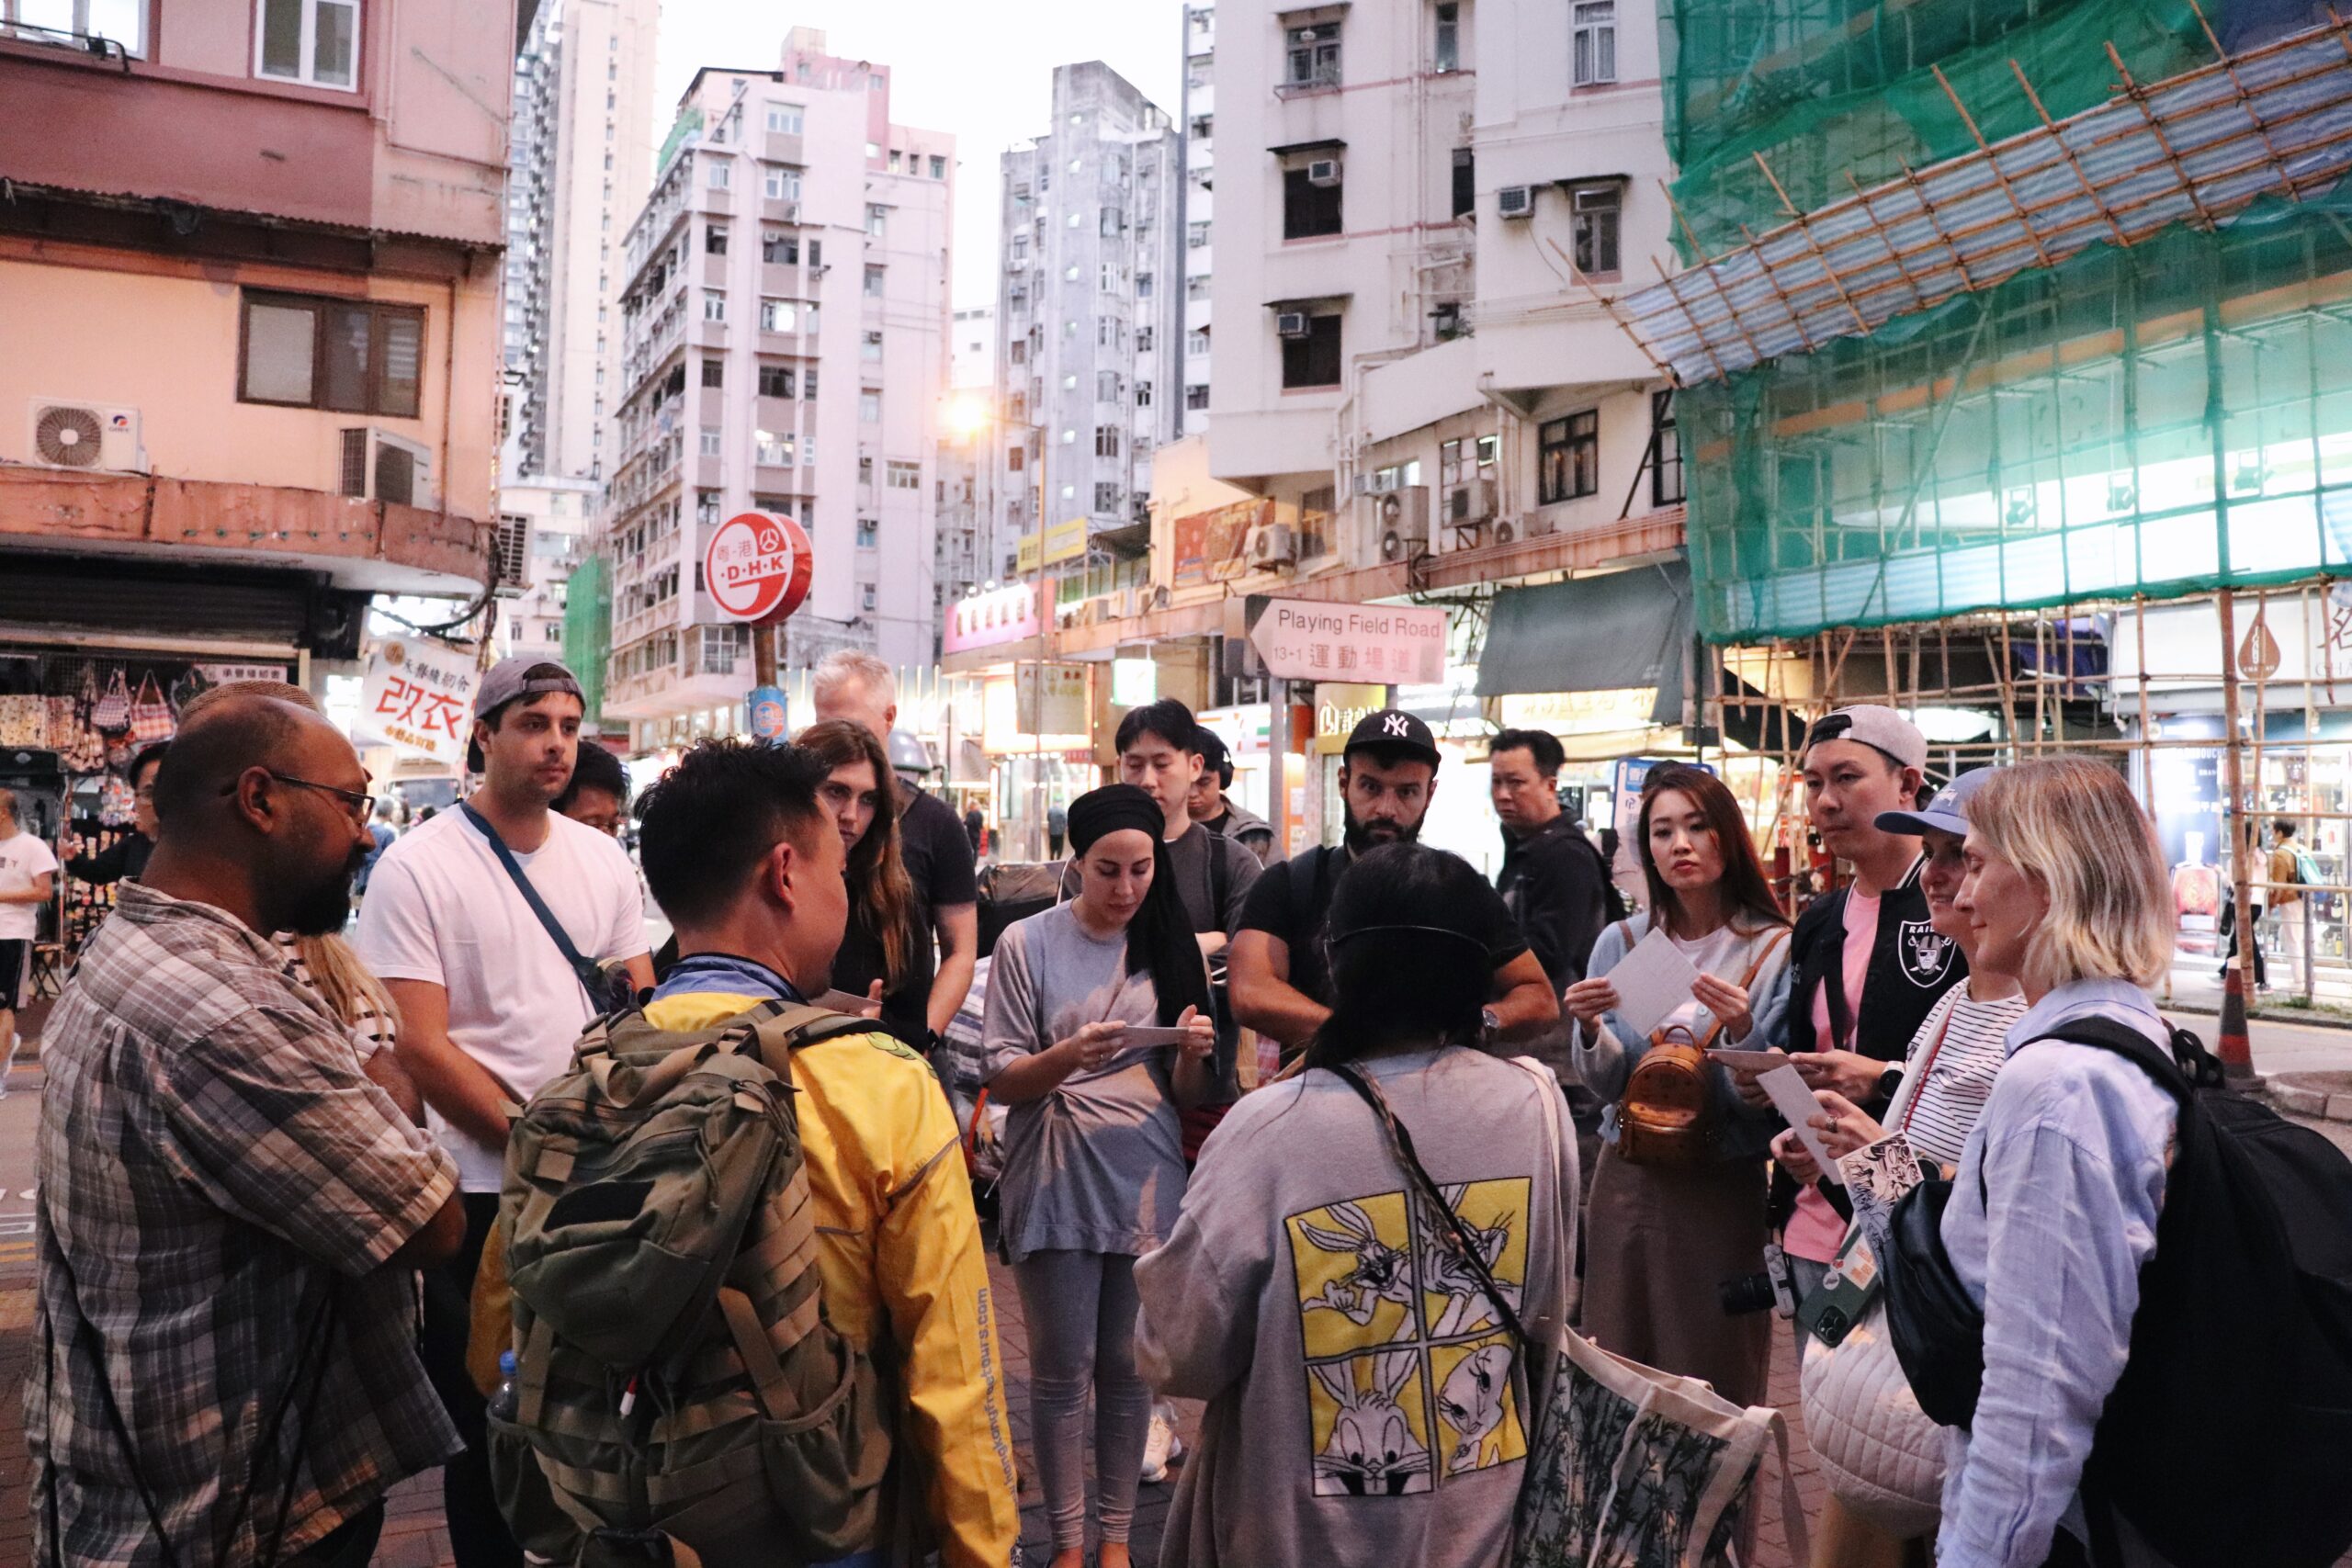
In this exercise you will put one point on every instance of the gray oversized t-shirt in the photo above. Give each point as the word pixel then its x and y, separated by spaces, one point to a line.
pixel 1098 1165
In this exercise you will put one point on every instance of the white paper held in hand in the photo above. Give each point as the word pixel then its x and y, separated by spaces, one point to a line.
pixel 1652 981
pixel 1796 1104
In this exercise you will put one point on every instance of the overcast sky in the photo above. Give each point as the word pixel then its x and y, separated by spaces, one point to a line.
pixel 982 73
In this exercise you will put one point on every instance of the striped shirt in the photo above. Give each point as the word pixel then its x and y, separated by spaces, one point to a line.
pixel 215 1172
pixel 1952 1062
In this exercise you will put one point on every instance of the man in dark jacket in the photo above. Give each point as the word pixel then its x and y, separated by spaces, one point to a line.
pixel 1553 880
pixel 126 858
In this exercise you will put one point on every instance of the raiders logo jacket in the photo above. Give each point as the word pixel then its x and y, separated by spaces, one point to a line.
pixel 1910 968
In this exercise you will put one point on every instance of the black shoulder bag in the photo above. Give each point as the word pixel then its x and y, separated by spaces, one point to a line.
pixel 608 988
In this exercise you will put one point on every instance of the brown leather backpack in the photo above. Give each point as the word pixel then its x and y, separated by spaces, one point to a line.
pixel 1668 1114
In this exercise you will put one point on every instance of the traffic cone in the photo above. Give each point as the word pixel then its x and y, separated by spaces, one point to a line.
pixel 2234 1045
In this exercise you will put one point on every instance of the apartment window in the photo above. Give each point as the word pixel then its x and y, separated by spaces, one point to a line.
pixel 869 348
pixel 1113 279
pixel 877 221
pixel 713 372
pixel 1447 54
pixel 874 276
pixel 779 250
pixel 866 597
pixel 1466 457
pixel 1143 401
pixel 1019 351
pixel 938 167
pixel 1017 458
pixel 1196 70
pixel 1196 396
pixel 778 315
pixel 1310 205
pixel 897 158
pixel 775 380
pixel 1313 56
pixel 808 382
pixel 1567 457
pixel 1197 341
pixel 1312 358
pixel 714 305
pixel 869 534
pixel 869 408
pixel 351 356
pixel 1593 27
pixel 714 240
pixel 315 43
pixel 1107 440
pixel 1197 285
pixel 906 476
pixel 710 441
pixel 721 172
pixel 1204 126
pixel 120 21
pixel 1196 234
pixel 780 184
pixel 1593 228
pixel 705 506
pixel 773 448
pixel 1665 451
pixel 785 118
pixel 1466 182
pixel 1143 286
pixel 1142 339
pixel 1106 497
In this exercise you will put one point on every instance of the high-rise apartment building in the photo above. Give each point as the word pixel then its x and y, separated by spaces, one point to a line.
pixel 961 561
pixel 1090 313
pixel 1199 205
pixel 784 329
pixel 579 162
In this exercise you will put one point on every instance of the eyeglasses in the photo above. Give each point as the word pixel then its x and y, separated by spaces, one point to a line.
pixel 362 807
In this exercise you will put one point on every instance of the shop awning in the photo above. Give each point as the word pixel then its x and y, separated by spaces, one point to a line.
pixel 2195 148
pixel 1593 634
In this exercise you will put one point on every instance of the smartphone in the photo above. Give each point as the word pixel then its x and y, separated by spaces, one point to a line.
pixel 1751 1061
pixel 1138 1036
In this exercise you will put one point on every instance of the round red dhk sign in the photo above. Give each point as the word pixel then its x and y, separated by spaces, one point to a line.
pixel 757 566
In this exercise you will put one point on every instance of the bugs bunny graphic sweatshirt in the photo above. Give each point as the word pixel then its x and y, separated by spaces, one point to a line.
pixel 1365 1403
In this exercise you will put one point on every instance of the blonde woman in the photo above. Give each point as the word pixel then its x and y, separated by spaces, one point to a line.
pixel 2054 1209
pixel 328 965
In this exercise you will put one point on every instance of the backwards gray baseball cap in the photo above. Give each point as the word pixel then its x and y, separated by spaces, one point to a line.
pixel 1882 730
pixel 517 680
pixel 1948 813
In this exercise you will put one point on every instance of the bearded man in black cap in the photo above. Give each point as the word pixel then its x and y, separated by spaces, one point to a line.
pixel 1280 983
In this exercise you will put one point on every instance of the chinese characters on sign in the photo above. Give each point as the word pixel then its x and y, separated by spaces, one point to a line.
pixel 757 567
pixel 1004 615
pixel 1302 640
pixel 419 696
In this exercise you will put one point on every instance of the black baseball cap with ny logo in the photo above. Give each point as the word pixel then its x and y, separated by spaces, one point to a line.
pixel 1394 729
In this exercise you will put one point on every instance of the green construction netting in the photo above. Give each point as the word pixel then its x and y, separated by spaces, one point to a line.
pixel 588 629
pixel 2161 419
pixel 1825 89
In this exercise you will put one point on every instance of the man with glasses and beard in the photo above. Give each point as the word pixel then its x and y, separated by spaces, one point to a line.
pixel 1281 982
pixel 232 1206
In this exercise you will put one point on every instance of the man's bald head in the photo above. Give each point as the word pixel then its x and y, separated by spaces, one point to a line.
pixel 224 731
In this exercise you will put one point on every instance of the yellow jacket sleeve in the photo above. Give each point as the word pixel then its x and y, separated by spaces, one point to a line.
pixel 933 1273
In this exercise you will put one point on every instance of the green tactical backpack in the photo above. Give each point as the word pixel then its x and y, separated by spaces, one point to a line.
pixel 677 1382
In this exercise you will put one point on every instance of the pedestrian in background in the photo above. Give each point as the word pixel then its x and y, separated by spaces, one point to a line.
pixel 876 955
pixel 1094 1149
pixel 474 920
pixel 1369 1401
pixel 597 796
pixel 1282 984
pixel 28 881
pixel 1057 830
pixel 1552 879
pixel 938 857
pixel 125 858
pixel 1666 1229
pixel 1219 812
pixel 231 1204
pixel 380 835
pixel 2290 908
pixel 2059 1191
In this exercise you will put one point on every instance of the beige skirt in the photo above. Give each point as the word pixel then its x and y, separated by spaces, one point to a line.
pixel 1658 1240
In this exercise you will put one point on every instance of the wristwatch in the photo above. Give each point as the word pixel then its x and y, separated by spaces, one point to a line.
pixel 1888 1082
pixel 1490 1026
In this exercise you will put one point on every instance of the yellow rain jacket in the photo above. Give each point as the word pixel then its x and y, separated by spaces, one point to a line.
pixel 897 1240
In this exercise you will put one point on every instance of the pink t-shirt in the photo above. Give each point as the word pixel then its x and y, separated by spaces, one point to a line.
pixel 1814 1230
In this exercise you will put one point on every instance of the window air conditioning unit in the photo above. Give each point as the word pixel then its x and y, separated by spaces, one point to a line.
pixel 387 467
pixel 1470 501
pixel 1505 531
pixel 86 435
pixel 1291 323
pixel 1400 521
pixel 1273 544
pixel 1516 202
pixel 1323 171
pixel 510 553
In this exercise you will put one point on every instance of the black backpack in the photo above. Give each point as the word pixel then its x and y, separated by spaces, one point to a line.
pixel 2228 1439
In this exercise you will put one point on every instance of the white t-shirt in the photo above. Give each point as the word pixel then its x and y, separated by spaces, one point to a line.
pixel 441 909
pixel 23 857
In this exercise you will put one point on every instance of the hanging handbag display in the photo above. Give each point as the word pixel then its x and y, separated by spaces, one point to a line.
pixel 111 713
pixel 150 715
pixel 24 721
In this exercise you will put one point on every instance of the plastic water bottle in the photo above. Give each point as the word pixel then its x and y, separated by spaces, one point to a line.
pixel 503 1402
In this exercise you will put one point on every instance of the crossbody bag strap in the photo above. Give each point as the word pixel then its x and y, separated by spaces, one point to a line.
pixel 1400 1142
pixel 1747 981
pixel 581 968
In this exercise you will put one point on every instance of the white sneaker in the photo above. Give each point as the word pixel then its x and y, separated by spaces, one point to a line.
pixel 1159 1447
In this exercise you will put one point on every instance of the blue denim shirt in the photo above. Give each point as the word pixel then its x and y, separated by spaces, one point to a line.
pixel 2072 1147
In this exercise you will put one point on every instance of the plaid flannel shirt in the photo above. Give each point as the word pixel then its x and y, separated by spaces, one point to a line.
pixel 214 1167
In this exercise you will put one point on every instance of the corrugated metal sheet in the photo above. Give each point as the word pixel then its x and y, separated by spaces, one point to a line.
pixel 2196 148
